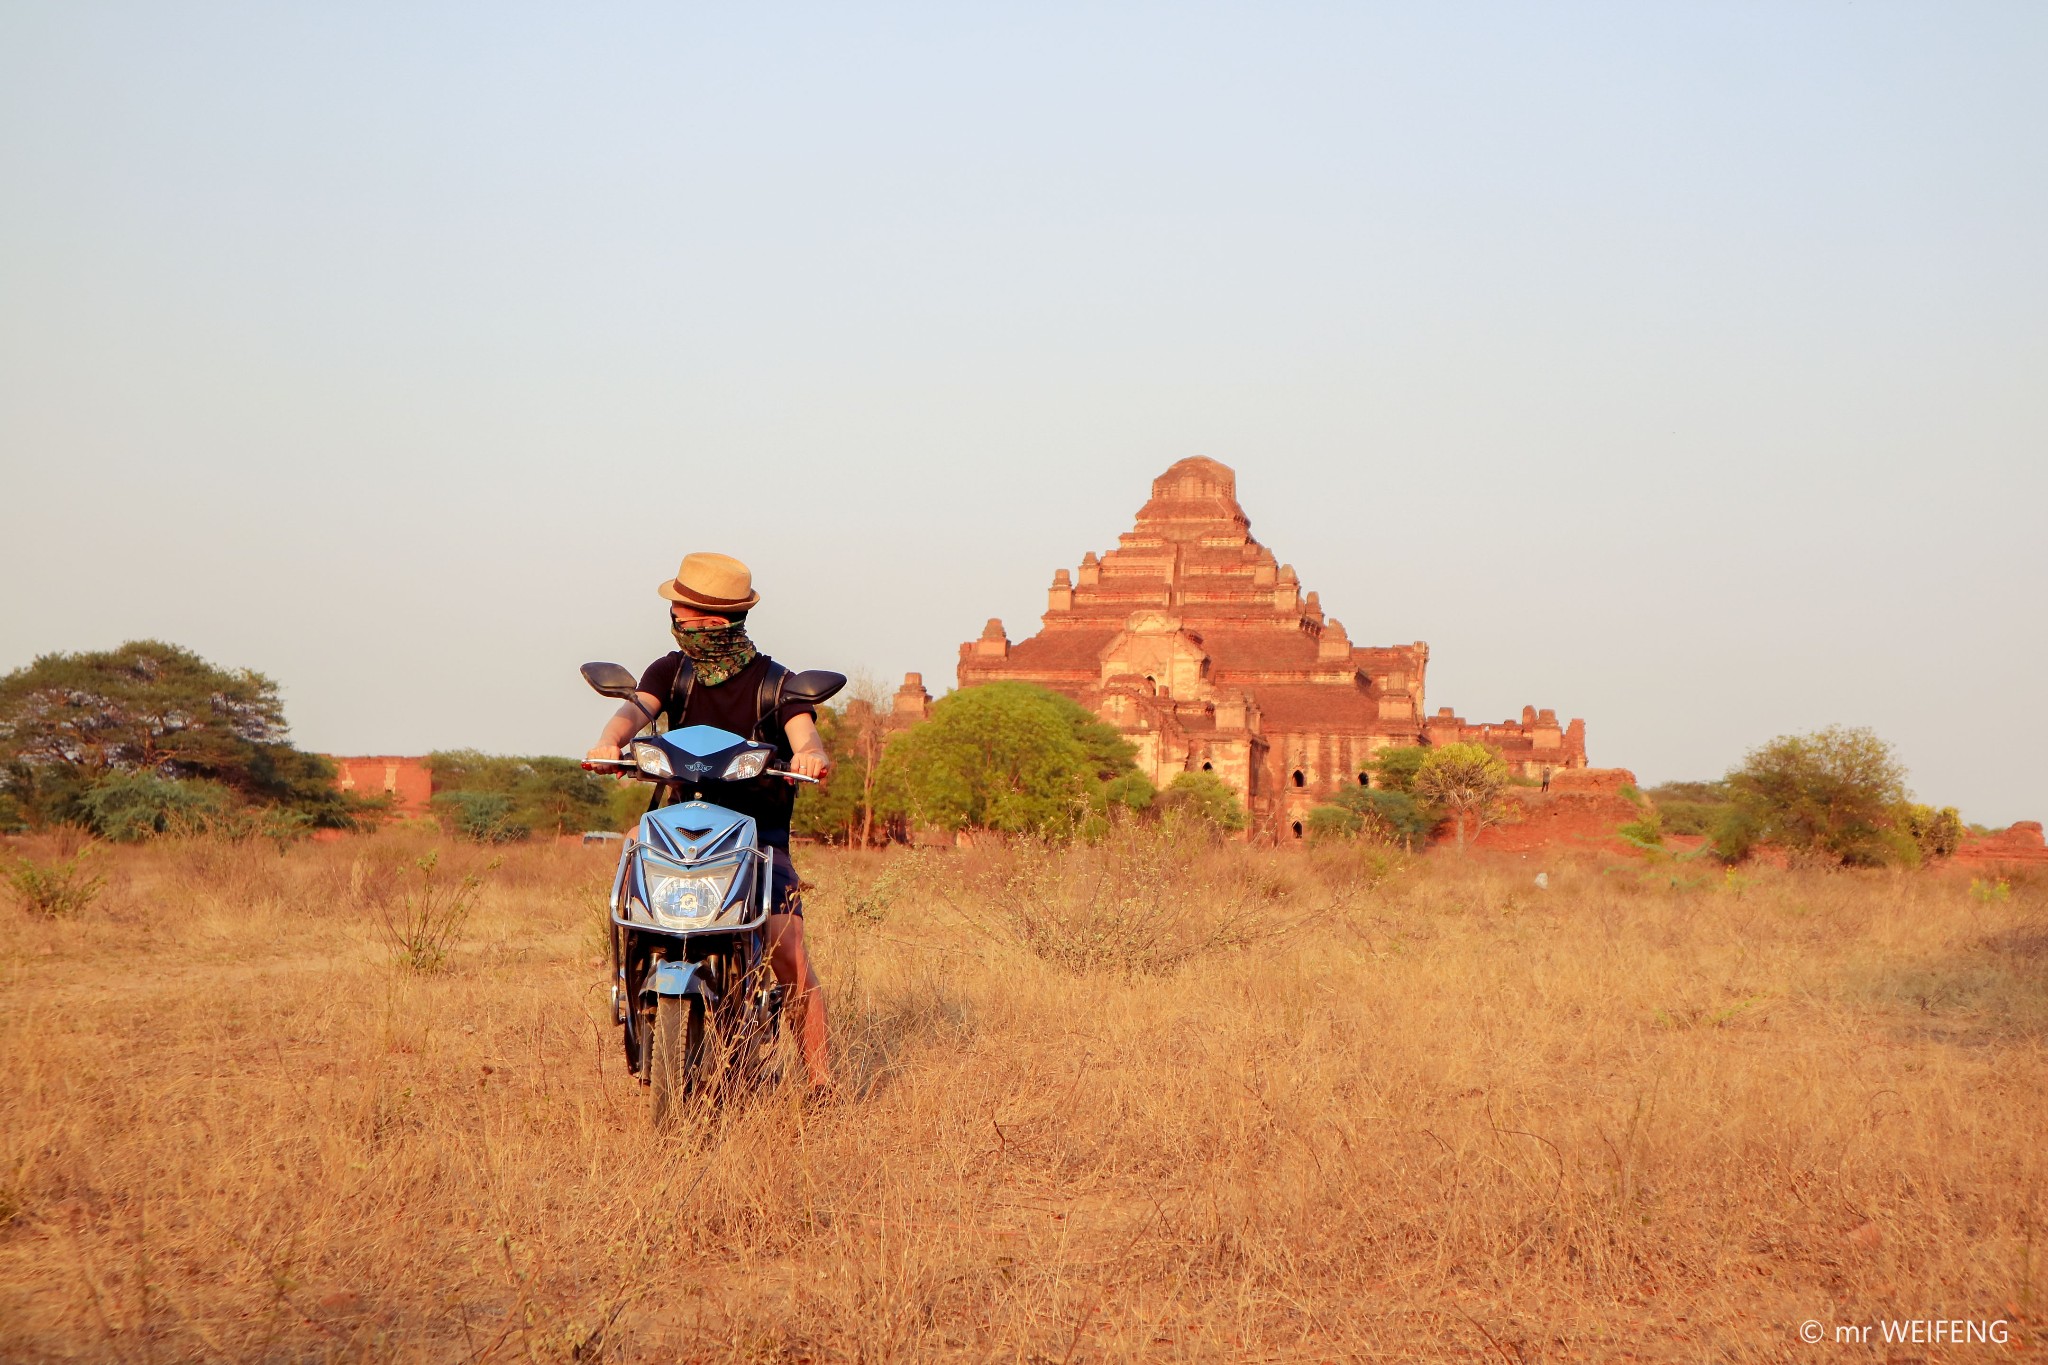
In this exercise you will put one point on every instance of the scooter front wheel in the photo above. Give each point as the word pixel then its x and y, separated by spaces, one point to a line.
pixel 676 1070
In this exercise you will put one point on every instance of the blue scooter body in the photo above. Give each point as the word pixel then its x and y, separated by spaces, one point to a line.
pixel 689 905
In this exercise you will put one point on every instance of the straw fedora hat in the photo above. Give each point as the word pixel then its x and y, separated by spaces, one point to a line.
pixel 714 583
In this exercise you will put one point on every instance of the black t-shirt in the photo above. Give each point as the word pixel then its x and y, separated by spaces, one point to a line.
pixel 733 705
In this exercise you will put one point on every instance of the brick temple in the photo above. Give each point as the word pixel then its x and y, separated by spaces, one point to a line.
pixel 405 780
pixel 1196 643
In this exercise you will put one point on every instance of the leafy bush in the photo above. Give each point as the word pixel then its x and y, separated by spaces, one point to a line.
pixel 1735 832
pixel 1132 793
pixel 124 807
pixel 1008 757
pixel 57 889
pixel 495 798
pixel 1666 794
pixel 1329 822
pixel 1646 831
pixel 482 817
pixel 1374 814
pixel 1690 817
pixel 1834 795
pixel 1695 808
pixel 1202 799
pixel 1395 769
pixel 1936 833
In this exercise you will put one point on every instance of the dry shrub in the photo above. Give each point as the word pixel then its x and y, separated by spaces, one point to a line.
pixel 1144 899
pixel 56 888
pixel 239 874
pixel 1449 1115
pixel 419 908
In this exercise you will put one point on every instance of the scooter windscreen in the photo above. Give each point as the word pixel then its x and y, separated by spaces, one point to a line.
pixel 702 753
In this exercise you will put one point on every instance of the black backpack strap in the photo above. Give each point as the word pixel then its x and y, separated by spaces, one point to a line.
pixel 679 688
pixel 768 698
pixel 678 702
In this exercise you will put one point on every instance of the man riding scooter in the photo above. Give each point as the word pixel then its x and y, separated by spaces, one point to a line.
pixel 717 677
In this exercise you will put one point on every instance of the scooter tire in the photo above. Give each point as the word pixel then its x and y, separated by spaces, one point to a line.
pixel 679 1055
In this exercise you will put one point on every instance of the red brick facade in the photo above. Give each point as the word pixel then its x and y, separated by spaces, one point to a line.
pixel 2015 848
pixel 405 780
pixel 1202 648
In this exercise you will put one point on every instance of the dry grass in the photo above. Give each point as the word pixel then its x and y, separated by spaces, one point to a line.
pixel 1441 1115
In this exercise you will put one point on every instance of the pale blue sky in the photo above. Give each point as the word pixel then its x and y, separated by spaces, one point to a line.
pixel 1680 367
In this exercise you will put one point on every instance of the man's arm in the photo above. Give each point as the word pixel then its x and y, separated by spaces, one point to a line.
pixel 624 724
pixel 809 757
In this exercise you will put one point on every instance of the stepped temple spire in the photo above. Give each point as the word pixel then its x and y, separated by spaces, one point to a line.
pixel 1205 651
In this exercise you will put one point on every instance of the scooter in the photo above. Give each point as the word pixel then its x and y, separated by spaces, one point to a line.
pixel 691 984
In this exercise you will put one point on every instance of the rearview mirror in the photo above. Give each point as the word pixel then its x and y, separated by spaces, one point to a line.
pixel 610 680
pixel 813 686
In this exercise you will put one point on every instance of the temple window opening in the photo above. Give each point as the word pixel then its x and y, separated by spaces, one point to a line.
pixel 1297 829
pixel 1299 779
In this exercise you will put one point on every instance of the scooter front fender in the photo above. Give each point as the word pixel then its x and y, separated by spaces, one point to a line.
pixel 679 978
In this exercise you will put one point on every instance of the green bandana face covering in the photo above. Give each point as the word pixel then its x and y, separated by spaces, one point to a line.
pixel 717 653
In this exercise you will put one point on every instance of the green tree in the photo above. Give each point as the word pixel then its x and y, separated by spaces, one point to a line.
pixel 850 804
pixel 1354 812
pixel 864 735
pixel 1004 756
pixel 560 797
pixel 833 810
pixel 1203 797
pixel 1834 795
pixel 542 793
pixel 70 721
pixel 1394 769
pixel 625 802
pixel 1463 782
pixel 303 783
pixel 147 706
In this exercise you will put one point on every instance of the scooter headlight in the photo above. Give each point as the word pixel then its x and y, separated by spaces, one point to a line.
pixel 745 766
pixel 651 759
pixel 688 899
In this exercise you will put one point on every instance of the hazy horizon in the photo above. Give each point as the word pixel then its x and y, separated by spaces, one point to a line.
pixel 1678 369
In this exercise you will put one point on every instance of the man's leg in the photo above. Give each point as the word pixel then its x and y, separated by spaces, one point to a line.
pixel 802 1000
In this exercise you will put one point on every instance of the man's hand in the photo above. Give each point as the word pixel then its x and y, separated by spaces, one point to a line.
pixel 603 751
pixel 807 750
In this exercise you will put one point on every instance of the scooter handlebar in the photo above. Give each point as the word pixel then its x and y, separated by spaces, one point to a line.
pixel 599 765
